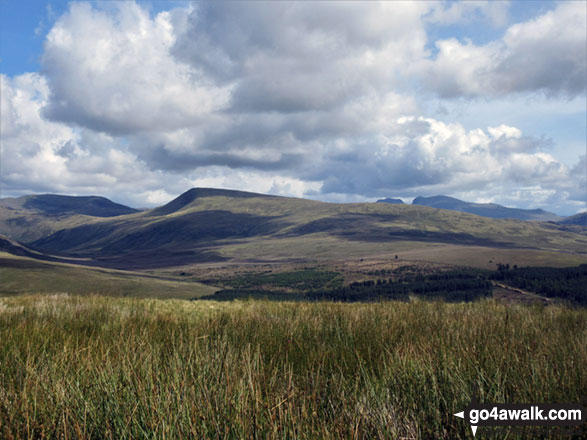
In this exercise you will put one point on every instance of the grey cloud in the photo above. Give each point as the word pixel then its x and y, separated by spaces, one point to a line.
pixel 283 93
pixel 28 149
pixel 162 159
pixel 226 38
pixel 578 175
pixel 363 173
pixel 294 57
pixel 66 149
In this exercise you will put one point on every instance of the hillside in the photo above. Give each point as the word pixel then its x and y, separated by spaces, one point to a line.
pixel 491 210
pixel 14 248
pixel 390 200
pixel 208 225
pixel 54 204
pixel 29 218
pixel 22 275
pixel 577 219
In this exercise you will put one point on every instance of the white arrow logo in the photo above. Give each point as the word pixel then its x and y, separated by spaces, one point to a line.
pixel 462 416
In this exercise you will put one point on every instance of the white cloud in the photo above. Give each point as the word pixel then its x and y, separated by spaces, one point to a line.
pixel 45 156
pixel 265 183
pixel 29 144
pixel 290 98
pixel 548 54
pixel 425 156
pixel 113 72
pixel 505 132
pixel 123 72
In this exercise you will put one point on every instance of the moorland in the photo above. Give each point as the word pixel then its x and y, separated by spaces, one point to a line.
pixel 227 314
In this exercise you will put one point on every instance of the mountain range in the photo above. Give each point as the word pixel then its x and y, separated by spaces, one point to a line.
pixel 31 217
pixel 491 210
pixel 206 225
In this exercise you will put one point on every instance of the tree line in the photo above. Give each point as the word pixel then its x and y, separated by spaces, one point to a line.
pixel 461 285
pixel 568 283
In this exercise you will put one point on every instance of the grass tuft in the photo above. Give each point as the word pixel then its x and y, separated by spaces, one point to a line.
pixel 96 367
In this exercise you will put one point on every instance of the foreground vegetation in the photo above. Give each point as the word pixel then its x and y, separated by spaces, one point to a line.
pixel 96 367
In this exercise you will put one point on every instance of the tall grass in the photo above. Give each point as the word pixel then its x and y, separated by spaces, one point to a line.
pixel 95 367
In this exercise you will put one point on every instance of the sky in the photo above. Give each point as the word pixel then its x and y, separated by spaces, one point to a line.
pixel 334 101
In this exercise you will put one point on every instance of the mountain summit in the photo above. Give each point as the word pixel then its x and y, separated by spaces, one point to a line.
pixel 55 204
pixel 206 225
pixel 390 200
pixel 191 195
pixel 491 210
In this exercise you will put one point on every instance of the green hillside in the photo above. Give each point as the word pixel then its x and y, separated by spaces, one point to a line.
pixel 29 218
pixel 22 275
pixel 579 219
pixel 206 225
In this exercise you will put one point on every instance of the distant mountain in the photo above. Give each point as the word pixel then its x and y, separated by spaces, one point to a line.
pixel 577 219
pixel 29 218
pixel 393 201
pixel 490 210
pixel 213 225
pixel 189 197
pixel 54 204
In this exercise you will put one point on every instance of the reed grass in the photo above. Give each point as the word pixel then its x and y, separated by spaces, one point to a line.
pixel 108 368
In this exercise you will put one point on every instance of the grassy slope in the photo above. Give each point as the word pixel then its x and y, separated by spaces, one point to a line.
pixel 488 258
pixel 25 226
pixel 21 275
pixel 30 218
pixel 126 368
pixel 272 228
pixel 557 247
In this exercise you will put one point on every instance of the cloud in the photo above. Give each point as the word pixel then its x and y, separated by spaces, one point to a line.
pixel 546 54
pixel 327 99
pixel 44 156
pixel 123 72
pixel 41 156
pixel 28 142
pixel 419 155
pixel 293 57
pixel 409 155
pixel 113 72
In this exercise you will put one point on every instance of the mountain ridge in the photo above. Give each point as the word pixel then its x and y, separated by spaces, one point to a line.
pixel 58 204
pixel 391 200
pixel 214 225
pixel 209 225
pixel 579 219
pixel 28 218
pixel 490 210
pixel 187 198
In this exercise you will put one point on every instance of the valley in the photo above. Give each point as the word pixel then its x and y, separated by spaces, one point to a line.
pixel 196 244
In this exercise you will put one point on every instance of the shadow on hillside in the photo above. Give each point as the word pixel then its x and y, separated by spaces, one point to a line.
pixel 364 227
pixel 168 241
pixel 158 259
